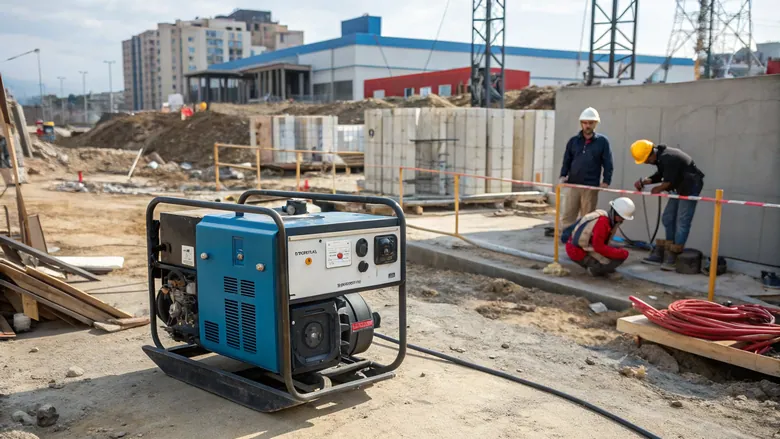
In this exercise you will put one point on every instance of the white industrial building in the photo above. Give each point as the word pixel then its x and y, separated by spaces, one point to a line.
pixel 337 68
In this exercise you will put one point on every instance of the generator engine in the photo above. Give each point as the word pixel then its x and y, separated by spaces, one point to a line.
pixel 220 278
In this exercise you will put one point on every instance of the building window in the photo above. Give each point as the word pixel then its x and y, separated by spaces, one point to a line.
pixel 445 90
pixel 425 91
pixel 191 50
pixel 281 38
pixel 257 26
pixel 408 92
pixel 190 39
pixel 379 94
pixel 174 86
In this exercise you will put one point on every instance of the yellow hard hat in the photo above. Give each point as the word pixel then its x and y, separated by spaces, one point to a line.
pixel 203 106
pixel 641 150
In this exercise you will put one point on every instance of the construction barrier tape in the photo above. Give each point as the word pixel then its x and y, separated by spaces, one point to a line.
pixel 593 188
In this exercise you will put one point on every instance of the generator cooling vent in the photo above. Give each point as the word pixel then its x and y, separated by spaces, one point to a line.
pixel 247 288
pixel 231 285
pixel 212 331
pixel 231 324
pixel 248 327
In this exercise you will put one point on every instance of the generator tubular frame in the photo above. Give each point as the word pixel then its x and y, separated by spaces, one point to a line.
pixel 227 385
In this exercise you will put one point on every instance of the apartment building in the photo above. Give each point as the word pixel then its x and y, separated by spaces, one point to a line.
pixel 155 61
pixel 266 32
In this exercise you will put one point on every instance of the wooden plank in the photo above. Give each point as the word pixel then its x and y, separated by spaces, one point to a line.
pixel 5 329
pixel 130 322
pixel 45 258
pixel 721 351
pixel 48 303
pixel 94 263
pixel 15 299
pixel 52 294
pixel 37 241
pixel 77 293
pixel 30 307
pixel 108 327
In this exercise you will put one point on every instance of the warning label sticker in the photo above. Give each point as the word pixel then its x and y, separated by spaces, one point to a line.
pixel 188 255
pixel 339 254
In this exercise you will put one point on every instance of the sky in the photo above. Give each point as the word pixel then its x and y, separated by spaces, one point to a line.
pixel 79 35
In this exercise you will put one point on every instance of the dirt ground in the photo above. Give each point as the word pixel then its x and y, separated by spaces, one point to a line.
pixel 552 339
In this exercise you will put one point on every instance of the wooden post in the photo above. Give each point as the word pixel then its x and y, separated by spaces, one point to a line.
pixel 257 164
pixel 715 245
pixel 24 227
pixel 298 171
pixel 216 164
pixel 557 220
pixel 457 202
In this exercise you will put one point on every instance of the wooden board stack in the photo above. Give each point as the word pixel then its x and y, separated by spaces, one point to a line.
pixel 41 296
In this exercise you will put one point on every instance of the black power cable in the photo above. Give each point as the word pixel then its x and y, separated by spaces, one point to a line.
pixel 647 226
pixel 633 427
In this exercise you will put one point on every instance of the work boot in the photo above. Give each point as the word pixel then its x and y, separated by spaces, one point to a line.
pixel 657 255
pixel 670 256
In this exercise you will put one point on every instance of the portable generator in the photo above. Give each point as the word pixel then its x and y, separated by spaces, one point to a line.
pixel 278 290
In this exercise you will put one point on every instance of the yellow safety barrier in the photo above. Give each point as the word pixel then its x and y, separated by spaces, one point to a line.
pixel 718 200
pixel 715 245
pixel 298 160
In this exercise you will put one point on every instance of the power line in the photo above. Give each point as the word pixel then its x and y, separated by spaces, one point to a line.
pixel 441 23
pixel 582 38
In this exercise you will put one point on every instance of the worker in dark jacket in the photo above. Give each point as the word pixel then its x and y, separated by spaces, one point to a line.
pixel 677 174
pixel 587 155
pixel 588 244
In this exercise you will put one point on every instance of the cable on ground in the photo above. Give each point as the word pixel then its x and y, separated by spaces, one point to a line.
pixel 633 427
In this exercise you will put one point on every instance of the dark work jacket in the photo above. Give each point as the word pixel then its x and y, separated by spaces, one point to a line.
pixel 677 167
pixel 583 163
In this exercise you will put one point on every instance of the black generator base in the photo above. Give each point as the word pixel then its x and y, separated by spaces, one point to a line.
pixel 253 388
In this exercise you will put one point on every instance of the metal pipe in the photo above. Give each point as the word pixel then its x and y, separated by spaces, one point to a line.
pixel 715 244
pixel 40 81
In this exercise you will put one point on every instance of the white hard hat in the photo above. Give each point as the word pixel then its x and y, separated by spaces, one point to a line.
pixel 624 207
pixel 590 113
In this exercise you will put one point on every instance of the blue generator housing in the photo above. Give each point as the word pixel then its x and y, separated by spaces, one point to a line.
pixel 236 301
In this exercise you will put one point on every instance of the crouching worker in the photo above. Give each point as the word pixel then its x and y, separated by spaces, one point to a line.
pixel 588 244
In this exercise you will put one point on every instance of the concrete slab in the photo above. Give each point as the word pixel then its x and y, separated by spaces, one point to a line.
pixel 526 235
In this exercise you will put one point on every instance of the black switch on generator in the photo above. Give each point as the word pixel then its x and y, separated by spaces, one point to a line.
pixel 361 248
pixel 385 249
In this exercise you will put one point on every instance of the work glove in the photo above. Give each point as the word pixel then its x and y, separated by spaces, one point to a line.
pixel 563 180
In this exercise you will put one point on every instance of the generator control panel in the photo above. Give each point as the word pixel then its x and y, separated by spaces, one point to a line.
pixel 338 262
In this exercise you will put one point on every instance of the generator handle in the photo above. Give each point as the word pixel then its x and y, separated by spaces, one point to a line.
pixel 151 231
pixel 401 287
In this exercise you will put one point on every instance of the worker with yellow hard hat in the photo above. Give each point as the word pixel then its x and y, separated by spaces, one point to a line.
pixel 677 173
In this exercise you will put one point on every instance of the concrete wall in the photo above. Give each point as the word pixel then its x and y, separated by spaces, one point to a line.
pixel 731 128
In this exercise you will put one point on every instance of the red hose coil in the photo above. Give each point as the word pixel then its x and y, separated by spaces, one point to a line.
pixel 716 322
